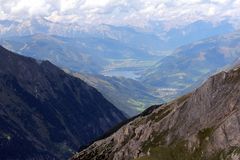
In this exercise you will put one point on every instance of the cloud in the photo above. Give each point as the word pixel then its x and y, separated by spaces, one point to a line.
pixel 122 12
pixel 32 8
pixel 19 9
pixel 68 5
pixel 220 1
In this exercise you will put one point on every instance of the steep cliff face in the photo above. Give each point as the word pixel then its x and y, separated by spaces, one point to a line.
pixel 46 113
pixel 204 124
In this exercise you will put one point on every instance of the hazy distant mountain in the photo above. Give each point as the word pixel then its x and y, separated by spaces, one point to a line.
pixel 202 125
pixel 46 113
pixel 154 39
pixel 195 31
pixel 106 49
pixel 85 54
pixel 191 63
pixel 143 41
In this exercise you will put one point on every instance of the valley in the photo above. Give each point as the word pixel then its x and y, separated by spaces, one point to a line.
pixel 166 77
pixel 128 95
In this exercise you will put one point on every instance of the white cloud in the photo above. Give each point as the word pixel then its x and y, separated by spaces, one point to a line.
pixel 131 12
pixel 220 1
pixel 66 5
pixel 211 11
pixel 96 3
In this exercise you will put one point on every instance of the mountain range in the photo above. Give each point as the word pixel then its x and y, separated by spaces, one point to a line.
pixel 155 38
pixel 88 54
pixel 82 54
pixel 46 113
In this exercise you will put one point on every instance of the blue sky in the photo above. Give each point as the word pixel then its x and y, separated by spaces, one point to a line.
pixel 122 12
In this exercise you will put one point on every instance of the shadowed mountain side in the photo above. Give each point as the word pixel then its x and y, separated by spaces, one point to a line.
pixel 46 113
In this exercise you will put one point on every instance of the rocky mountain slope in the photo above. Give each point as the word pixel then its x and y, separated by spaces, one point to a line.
pixel 46 113
pixel 202 125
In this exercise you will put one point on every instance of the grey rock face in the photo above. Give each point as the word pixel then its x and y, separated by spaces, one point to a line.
pixel 206 123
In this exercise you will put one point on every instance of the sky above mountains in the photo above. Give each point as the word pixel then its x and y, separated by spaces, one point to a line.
pixel 123 12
